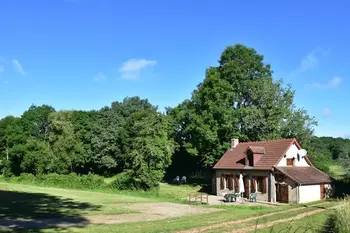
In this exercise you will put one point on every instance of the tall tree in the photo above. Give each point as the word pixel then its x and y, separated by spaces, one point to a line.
pixel 68 150
pixel 148 149
pixel 238 98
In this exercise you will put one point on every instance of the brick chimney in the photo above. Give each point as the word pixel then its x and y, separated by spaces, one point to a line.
pixel 234 143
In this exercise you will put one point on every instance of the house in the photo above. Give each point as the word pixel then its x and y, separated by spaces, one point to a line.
pixel 276 170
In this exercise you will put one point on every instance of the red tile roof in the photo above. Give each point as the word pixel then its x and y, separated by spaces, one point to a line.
pixel 305 175
pixel 274 150
pixel 257 149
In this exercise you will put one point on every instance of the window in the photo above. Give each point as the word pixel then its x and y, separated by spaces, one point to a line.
pixel 261 184
pixel 290 162
pixel 226 182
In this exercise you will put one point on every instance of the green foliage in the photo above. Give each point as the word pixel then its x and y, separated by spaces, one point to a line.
pixel 330 155
pixel 72 180
pixel 122 181
pixel 240 99
pixel 142 181
pixel 130 135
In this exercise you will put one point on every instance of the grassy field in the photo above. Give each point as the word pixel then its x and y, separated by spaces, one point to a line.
pixel 318 223
pixel 33 202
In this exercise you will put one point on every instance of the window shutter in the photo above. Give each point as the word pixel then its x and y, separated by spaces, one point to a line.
pixel 253 184
pixel 222 182
pixel 264 185
pixel 230 182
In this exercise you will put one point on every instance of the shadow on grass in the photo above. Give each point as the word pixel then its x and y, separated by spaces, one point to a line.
pixel 329 226
pixel 30 212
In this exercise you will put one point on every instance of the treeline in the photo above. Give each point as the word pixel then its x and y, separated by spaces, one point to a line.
pixel 237 99
pixel 129 137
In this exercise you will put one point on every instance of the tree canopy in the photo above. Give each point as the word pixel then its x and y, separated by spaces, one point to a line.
pixel 237 99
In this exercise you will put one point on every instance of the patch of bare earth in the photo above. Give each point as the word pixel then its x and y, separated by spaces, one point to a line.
pixel 147 212
pixel 151 211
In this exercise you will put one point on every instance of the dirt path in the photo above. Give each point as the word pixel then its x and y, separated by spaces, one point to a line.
pixel 237 221
pixel 147 212
pixel 269 224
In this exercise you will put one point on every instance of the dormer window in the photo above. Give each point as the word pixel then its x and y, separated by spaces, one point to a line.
pixel 254 154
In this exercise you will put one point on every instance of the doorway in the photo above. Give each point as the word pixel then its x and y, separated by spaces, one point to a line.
pixel 282 193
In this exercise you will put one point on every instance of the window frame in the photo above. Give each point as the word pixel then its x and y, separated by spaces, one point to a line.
pixel 292 161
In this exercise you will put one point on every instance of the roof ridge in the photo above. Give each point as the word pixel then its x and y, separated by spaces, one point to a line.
pixel 271 140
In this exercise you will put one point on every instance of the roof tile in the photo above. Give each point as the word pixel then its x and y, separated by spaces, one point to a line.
pixel 274 150
pixel 305 175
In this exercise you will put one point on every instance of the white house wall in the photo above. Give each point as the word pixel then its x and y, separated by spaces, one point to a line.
pixel 293 153
pixel 308 193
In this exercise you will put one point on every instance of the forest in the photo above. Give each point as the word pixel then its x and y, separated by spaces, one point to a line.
pixel 133 140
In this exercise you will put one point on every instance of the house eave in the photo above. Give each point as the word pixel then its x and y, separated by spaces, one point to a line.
pixel 245 169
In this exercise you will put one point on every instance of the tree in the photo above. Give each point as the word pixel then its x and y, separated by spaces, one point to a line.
pixel 35 121
pixel 68 150
pixel 238 98
pixel 132 136
pixel 148 149
pixel 106 141
pixel 12 139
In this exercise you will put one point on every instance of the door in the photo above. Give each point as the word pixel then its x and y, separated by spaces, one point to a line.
pixel 282 193
pixel 246 187
pixel 322 191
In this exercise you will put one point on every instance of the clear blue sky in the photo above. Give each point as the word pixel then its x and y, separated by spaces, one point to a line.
pixel 84 54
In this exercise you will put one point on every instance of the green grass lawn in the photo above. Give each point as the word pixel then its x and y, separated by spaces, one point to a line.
pixel 176 224
pixel 26 201
pixel 52 202
pixel 317 223
pixel 67 202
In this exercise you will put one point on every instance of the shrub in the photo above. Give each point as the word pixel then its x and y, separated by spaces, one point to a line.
pixel 123 181
pixel 131 180
pixel 72 180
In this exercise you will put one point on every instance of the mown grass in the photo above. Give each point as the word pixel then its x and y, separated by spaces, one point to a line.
pixel 317 223
pixel 165 192
pixel 109 201
pixel 267 219
pixel 55 198
pixel 179 223
pixel 98 203
pixel 67 202
pixel 235 212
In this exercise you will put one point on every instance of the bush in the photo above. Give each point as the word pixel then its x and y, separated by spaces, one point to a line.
pixel 136 181
pixel 72 180
pixel 123 181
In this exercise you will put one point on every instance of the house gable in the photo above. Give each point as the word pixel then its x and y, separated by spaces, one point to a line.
pixel 292 155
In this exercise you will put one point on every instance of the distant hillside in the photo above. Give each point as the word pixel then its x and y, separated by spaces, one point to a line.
pixel 330 155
